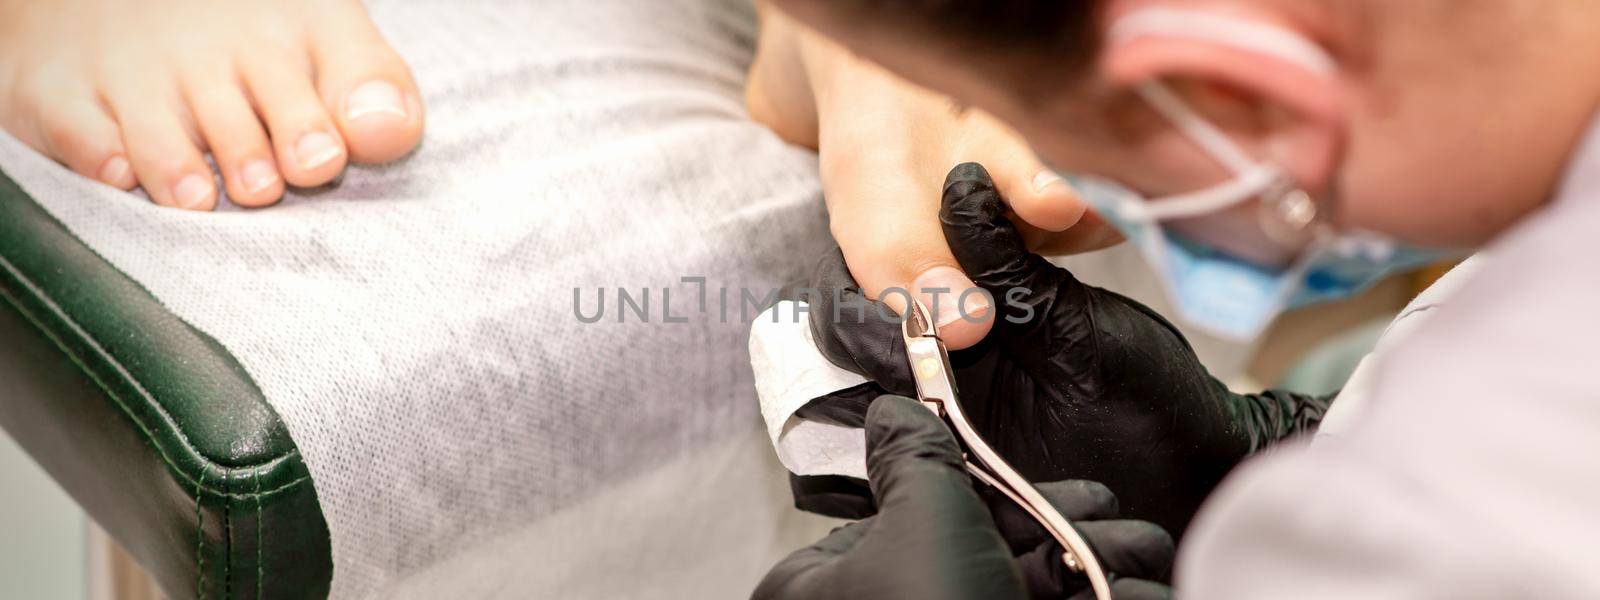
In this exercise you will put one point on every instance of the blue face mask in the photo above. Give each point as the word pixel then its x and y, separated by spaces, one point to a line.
pixel 1224 294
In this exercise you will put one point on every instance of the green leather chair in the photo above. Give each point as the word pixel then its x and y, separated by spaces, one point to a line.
pixel 148 423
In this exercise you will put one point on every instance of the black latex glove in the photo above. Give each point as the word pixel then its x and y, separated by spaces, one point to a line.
pixel 1088 385
pixel 935 537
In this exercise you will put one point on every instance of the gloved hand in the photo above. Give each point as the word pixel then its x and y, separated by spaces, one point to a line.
pixel 1073 381
pixel 934 537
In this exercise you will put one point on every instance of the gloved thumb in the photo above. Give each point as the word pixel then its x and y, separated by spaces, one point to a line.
pixel 984 241
pixel 992 251
pixel 928 512
pixel 913 461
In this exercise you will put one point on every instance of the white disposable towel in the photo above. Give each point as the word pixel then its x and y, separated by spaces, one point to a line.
pixel 791 372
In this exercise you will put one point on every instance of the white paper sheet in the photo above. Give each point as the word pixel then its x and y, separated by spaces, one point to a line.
pixel 790 372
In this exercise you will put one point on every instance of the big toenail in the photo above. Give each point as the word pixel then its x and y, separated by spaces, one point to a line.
pixel 258 175
pixel 316 149
pixel 115 170
pixel 374 98
pixel 193 192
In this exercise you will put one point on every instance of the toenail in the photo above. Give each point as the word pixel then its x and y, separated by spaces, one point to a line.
pixel 1045 180
pixel 193 192
pixel 316 149
pixel 115 170
pixel 258 175
pixel 374 98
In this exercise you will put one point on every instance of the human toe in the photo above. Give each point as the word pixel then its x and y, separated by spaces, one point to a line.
pixel 237 141
pixel 308 148
pixel 368 89
pixel 164 157
pixel 64 120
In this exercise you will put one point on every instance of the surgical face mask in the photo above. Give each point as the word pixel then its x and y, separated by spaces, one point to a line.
pixel 1223 293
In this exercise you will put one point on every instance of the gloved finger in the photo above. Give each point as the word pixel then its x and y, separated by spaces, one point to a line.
pixel 1139 549
pixel 1131 589
pixel 1047 575
pixel 840 540
pixel 856 333
pixel 1080 500
pixel 795 570
pixel 909 447
pixel 836 495
pixel 916 472
pixel 1077 500
pixel 1036 298
pixel 832 496
pixel 984 241
pixel 846 407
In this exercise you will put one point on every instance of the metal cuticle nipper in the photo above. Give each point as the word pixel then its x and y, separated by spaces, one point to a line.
pixel 936 389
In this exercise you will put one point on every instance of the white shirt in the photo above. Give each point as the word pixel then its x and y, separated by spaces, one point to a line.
pixel 1472 467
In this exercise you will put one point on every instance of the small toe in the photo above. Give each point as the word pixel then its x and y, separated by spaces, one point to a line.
pixel 163 155
pixel 237 141
pixel 310 151
pixel 367 87
pixel 84 138
pixel 70 125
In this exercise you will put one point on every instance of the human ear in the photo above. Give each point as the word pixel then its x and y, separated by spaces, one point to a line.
pixel 1284 84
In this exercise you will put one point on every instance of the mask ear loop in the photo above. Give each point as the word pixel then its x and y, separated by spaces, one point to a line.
pixel 1250 184
pixel 1197 128
pixel 1250 178
pixel 1287 214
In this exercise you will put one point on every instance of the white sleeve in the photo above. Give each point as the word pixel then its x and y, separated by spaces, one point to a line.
pixel 1473 472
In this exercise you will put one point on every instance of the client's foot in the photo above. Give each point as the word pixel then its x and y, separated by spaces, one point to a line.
pixel 884 147
pixel 136 93
pixel 777 89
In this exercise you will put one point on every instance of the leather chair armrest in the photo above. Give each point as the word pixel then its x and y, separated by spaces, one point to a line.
pixel 148 423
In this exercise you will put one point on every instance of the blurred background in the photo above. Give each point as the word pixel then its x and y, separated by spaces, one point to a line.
pixel 49 549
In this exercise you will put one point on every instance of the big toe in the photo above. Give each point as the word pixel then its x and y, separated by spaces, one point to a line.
pixel 368 90
pixel 380 121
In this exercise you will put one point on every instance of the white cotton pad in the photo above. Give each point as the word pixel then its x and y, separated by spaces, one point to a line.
pixel 790 372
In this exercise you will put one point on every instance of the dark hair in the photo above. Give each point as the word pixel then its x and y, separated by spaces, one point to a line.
pixel 1061 29
pixel 995 22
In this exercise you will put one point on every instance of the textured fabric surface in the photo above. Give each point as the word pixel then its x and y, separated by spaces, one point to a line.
pixel 415 326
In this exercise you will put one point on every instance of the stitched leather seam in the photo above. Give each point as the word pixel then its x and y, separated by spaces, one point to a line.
pixel 227 536
pixel 261 524
pixel 199 541
pixel 134 383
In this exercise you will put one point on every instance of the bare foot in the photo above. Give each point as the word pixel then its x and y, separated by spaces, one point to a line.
pixel 777 90
pixel 136 93
pixel 884 148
